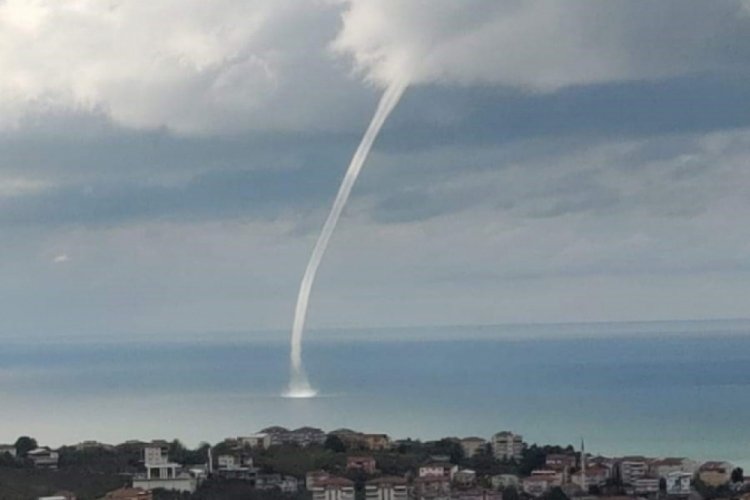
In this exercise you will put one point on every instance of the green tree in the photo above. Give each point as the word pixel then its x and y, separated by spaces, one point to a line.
pixel 335 444
pixel 738 475
pixel 556 493
pixel 25 444
pixel 510 493
pixel 7 460
pixel 449 447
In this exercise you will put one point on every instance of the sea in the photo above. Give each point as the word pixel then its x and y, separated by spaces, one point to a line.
pixel 655 389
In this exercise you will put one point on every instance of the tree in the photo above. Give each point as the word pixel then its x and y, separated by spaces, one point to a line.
pixel 7 460
pixel 334 443
pixel 556 493
pixel 510 493
pixel 449 447
pixel 25 444
pixel 738 475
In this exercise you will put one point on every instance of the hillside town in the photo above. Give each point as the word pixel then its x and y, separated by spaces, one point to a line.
pixel 308 463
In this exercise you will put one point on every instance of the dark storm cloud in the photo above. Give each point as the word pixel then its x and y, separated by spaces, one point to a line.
pixel 260 194
pixel 483 116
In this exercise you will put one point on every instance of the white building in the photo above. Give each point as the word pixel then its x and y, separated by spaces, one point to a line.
pixel 260 440
pixel 438 469
pixel 631 469
pixel 161 473
pixel 314 477
pixel 555 478
pixel 715 473
pixel 596 475
pixel 645 485
pixel 665 466
pixel 235 466
pixel 432 488
pixel 387 488
pixel 333 488
pixel 502 481
pixel 465 477
pixel 678 483
pixel 44 458
pixel 536 486
pixel 507 446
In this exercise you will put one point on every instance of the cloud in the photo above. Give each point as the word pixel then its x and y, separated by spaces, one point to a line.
pixel 286 64
pixel 181 64
pixel 542 44
pixel 59 259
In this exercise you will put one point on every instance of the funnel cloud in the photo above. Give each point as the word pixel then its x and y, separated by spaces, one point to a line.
pixel 299 384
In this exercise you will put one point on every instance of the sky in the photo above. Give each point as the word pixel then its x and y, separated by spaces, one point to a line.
pixel 165 166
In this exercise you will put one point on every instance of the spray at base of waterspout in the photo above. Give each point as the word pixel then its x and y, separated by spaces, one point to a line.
pixel 299 386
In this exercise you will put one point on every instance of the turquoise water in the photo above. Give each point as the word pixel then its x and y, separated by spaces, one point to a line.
pixel 654 389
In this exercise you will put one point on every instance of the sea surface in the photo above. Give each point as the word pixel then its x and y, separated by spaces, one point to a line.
pixel 659 389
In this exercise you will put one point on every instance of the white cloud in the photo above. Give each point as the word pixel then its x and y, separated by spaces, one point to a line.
pixel 540 44
pixel 188 65
pixel 18 186
pixel 59 259
pixel 197 67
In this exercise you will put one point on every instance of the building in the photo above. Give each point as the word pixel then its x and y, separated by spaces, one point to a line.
pixel 387 488
pixel 288 484
pixel 129 494
pixel 376 442
pixel 644 486
pixel 476 494
pixel 365 464
pixel 630 469
pixel 502 481
pixel 60 495
pixel 507 446
pixel 473 446
pixel 314 477
pixel 161 473
pixel 554 477
pixel 277 435
pixel 679 483
pixel 715 473
pixel 235 466
pixel 43 458
pixel 351 439
pixel 259 440
pixel 536 486
pixel 229 462
pixel 596 475
pixel 465 478
pixel 284 484
pixel 438 469
pixel 663 467
pixel 93 445
pixel 432 488
pixel 608 463
pixel 333 488
pixel 541 481
pixel 306 436
pixel 560 462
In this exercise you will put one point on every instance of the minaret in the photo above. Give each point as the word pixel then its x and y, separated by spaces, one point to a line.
pixel 583 468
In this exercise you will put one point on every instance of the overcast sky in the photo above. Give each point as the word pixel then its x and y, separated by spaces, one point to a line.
pixel 165 166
